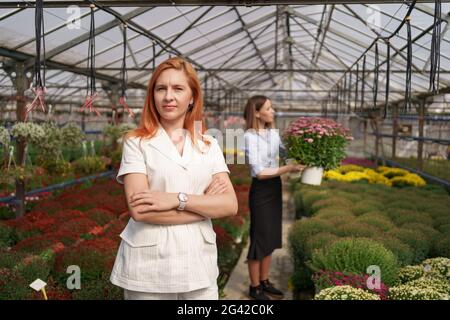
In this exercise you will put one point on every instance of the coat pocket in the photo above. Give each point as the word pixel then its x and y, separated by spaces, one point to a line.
pixel 137 234
pixel 139 257
pixel 138 242
pixel 208 234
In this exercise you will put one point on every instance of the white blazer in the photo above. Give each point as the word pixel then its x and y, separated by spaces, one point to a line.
pixel 169 258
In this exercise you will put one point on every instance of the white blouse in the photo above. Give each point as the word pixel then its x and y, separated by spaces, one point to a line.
pixel 263 150
pixel 169 258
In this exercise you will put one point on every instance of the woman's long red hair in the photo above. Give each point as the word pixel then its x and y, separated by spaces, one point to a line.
pixel 150 118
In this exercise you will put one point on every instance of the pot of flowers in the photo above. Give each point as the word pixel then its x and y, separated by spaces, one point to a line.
pixel 318 143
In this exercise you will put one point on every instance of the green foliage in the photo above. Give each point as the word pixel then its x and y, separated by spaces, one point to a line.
pixel 309 197
pixel 355 256
pixel 356 229
pixel 117 131
pixel 324 152
pixel 88 165
pixel 377 220
pixel 100 289
pixel 18 270
pixel 37 266
pixel 367 205
pixel 403 252
pixel 6 239
pixel 28 131
pixel 301 231
pixel 405 217
pixel 431 234
pixel 410 273
pixel 442 246
pixel 319 241
pixel 50 144
pixel 6 213
pixel 329 213
pixel 116 157
pixel 57 166
pixel 72 136
pixel 5 138
pixel 334 202
pixel 301 277
pixel 416 240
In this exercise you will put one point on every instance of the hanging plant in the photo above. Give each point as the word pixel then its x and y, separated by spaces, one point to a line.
pixel 113 133
pixel 50 144
pixel 72 136
pixel 28 132
pixel 5 138
pixel 39 65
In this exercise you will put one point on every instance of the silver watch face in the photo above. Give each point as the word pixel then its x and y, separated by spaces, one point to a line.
pixel 182 197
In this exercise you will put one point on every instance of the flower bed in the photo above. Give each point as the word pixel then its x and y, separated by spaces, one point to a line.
pixel 232 232
pixel 81 226
pixel 412 224
pixel 382 175
pixel 428 281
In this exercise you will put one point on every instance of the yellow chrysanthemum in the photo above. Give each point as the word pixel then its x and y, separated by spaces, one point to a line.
pixel 392 172
pixel 378 176
pixel 349 168
pixel 333 175
pixel 411 179
pixel 375 177
pixel 355 176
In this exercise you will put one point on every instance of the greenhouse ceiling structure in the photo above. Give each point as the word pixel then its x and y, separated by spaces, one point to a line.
pixel 300 53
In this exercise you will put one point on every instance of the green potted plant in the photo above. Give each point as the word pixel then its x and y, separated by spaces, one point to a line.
pixel 318 143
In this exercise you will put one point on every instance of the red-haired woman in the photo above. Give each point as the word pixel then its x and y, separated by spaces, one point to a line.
pixel 175 181
pixel 262 146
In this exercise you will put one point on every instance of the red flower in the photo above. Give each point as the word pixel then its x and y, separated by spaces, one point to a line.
pixel 34 220
pixel 325 279
pixel 49 206
pixel 100 216
pixel 65 215
pixel 223 238
pixel 78 226
pixel 37 244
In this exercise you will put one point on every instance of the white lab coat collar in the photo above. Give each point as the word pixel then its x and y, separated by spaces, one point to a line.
pixel 162 142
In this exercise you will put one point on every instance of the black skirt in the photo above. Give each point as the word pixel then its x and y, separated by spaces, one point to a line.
pixel 265 202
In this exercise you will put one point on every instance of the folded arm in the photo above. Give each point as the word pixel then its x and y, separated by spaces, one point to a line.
pixel 218 201
pixel 137 182
pixel 215 205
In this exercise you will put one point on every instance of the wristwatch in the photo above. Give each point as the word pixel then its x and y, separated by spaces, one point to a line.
pixel 183 198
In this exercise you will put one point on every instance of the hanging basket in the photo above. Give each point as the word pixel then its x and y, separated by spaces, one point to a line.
pixel 312 176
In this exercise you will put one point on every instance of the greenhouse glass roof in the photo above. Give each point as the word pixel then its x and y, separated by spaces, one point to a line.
pixel 295 53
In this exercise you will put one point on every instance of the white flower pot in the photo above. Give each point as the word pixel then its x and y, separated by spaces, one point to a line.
pixel 312 176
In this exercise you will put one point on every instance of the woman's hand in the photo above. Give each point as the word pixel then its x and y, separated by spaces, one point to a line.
pixel 217 186
pixel 154 201
pixel 296 167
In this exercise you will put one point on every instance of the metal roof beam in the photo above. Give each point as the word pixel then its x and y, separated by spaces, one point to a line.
pixel 20 56
pixel 189 27
pixel 244 26
pixel 170 3
pixel 84 37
